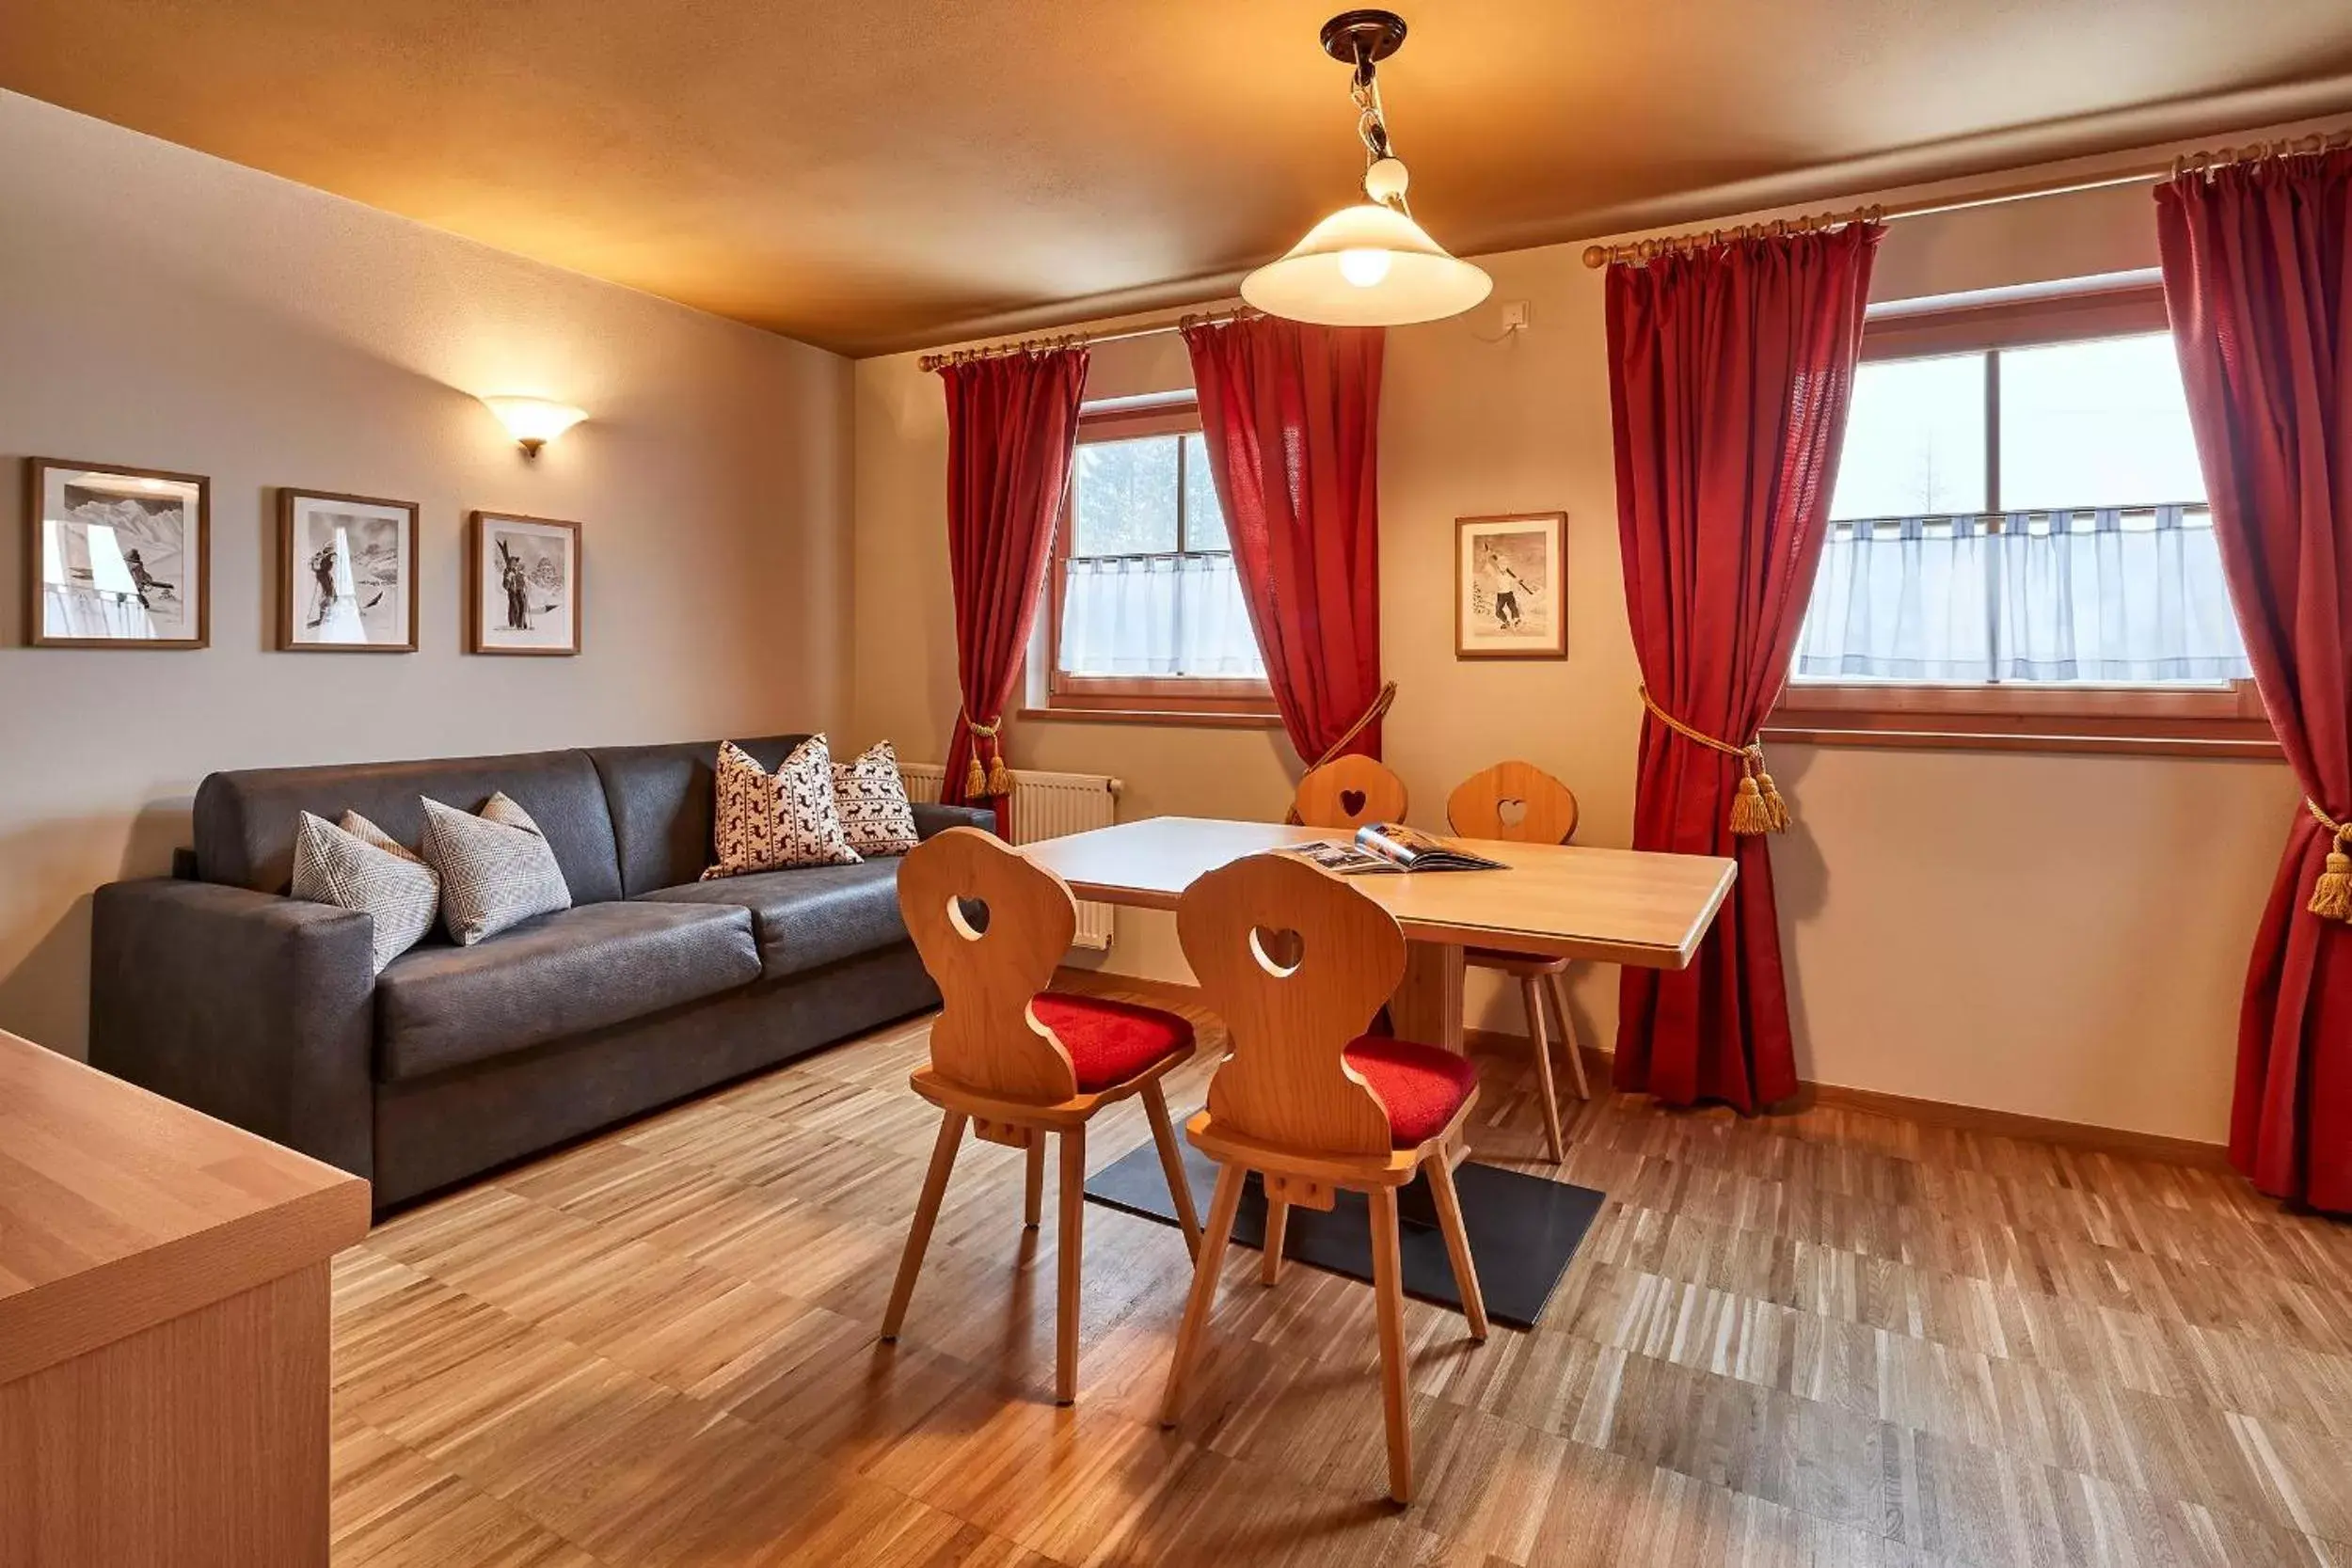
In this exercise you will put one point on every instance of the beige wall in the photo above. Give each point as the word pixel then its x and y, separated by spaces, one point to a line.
pixel 163 309
pixel 2063 936
pixel 2053 935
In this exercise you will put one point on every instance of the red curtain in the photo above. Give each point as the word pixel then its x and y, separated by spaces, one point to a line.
pixel 1012 427
pixel 1729 373
pixel 1292 413
pixel 2258 279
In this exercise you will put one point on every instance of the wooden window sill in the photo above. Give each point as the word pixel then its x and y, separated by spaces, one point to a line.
pixel 2116 722
pixel 2264 749
pixel 1145 715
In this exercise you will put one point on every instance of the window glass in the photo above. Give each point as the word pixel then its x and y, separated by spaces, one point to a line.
pixel 2100 423
pixel 1126 501
pixel 1915 440
pixel 1144 597
pixel 1204 519
pixel 1927 578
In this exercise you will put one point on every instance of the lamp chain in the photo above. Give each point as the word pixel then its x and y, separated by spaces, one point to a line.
pixel 1371 124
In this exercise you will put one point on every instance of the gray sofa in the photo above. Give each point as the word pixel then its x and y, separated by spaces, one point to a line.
pixel 216 990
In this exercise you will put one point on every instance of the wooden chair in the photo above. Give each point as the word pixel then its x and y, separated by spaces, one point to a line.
pixel 1017 1062
pixel 1348 792
pixel 1519 803
pixel 1310 1101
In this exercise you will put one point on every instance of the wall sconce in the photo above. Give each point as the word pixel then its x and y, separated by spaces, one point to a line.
pixel 533 421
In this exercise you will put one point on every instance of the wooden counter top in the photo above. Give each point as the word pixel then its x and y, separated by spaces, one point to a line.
pixel 120 1210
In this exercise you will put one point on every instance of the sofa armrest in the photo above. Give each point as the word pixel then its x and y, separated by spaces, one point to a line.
pixel 931 819
pixel 250 1007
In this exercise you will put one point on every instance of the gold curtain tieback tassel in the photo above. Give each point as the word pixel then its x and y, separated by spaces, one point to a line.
pixel 1759 807
pixel 990 780
pixel 1769 801
pixel 2331 897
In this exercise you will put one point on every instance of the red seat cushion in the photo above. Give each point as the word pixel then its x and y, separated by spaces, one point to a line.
pixel 1109 1041
pixel 1423 1086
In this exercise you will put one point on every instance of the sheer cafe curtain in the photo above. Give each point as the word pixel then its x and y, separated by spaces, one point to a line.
pixel 1157 615
pixel 2112 593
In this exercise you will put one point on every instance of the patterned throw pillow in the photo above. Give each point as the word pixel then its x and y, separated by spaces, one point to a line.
pixel 359 867
pixel 871 798
pixel 765 821
pixel 495 869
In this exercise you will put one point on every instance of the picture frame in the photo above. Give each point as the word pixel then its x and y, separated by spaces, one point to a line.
pixel 346 573
pixel 524 585
pixel 1510 576
pixel 117 556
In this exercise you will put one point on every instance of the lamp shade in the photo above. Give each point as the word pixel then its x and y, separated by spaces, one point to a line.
pixel 533 421
pixel 1366 265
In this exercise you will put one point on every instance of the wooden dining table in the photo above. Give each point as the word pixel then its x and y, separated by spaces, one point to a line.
pixel 1613 906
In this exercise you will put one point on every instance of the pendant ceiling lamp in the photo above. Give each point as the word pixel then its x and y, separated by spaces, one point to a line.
pixel 1369 264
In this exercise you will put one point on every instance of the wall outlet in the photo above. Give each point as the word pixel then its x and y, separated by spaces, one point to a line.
pixel 1515 315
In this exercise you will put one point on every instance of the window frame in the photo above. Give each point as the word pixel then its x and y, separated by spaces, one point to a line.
pixel 1190 699
pixel 2217 721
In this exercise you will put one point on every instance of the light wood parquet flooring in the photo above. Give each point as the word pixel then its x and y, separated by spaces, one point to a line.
pixel 1834 1338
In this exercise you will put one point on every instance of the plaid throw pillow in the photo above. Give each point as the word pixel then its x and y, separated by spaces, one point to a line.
pixel 359 867
pixel 871 798
pixel 764 821
pixel 497 870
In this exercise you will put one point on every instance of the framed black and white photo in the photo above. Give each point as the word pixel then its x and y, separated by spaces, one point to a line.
pixel 1509 586
pixel 523 585
pixel 346 573
pixel 116 557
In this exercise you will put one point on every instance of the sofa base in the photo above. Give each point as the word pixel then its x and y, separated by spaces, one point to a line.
pixel 434 1132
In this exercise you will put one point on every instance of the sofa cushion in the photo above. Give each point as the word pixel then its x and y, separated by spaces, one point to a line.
pixel 495 868
pixel 810 916
pixel 774 820
pixel 358 867
pixel 660 799
pixel 870 794
pixel 549 978
pixel 245 820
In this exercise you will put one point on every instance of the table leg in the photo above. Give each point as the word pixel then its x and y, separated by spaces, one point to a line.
pixel 1428 1006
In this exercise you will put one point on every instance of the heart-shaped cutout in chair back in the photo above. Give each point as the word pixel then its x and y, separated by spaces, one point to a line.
pixel 1352 802
pixel 1512 812
pixel 1278 949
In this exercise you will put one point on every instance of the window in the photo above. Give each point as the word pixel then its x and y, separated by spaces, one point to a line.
pixel 2020 551
pixel 1147 611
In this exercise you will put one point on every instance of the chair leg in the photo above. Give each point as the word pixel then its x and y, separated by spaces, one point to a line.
pixel 1229 1179
pixel 1277 1219
pixel 926 1215
pixel 1532 997
pixel 1567 1034
pixel 1033 1194
pixel 1387 1287
pixel 1449 1202
pixel 1069 1239
pixel 1173 1166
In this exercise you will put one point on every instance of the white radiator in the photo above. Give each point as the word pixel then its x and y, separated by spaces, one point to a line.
pixel 1045 805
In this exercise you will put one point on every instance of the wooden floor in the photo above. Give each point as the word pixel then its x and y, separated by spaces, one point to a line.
pixel 1834 1338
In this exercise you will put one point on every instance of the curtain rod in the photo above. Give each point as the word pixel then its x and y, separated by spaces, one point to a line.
pixel 1084 339
pixel 1642 250
pixel 1600 256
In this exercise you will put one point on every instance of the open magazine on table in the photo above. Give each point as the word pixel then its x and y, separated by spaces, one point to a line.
pixel 1380 847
